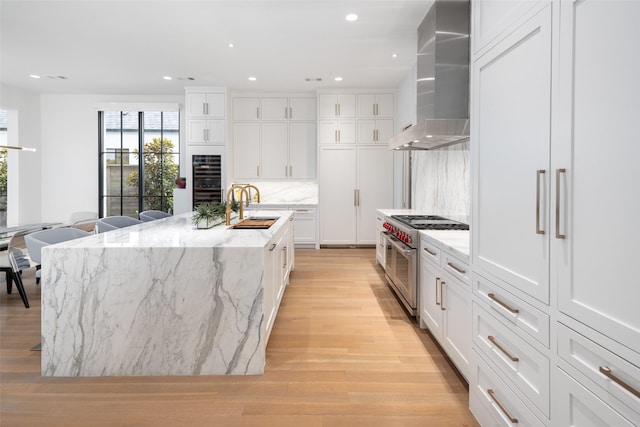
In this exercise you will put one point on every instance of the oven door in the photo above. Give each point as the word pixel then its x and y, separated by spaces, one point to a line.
pixel 401 272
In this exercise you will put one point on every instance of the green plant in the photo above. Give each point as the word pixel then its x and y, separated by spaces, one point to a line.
pixel 211 211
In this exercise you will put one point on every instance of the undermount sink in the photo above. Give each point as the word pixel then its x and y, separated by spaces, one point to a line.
pixel 256 223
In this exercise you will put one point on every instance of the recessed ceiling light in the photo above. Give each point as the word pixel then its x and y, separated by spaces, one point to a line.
pixel 395 55
pixel 338 79
pixel 167 77
pixel 34 76
pixel 253 79
pixel 352 17
pixel 231 45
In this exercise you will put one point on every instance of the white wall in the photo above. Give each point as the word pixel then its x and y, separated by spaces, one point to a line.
pixel 24 190
pixel 401 159
pixel 70 150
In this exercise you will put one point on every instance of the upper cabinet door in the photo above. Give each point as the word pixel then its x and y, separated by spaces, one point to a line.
pixel 337 105
pixel 275 162
pixel 210 105
pixel 595 160
pixel 512 106
pixel 275 109
pixel 375 105
pixel 302 150
pixel 246 109
pixel 302 109
pixel 246 147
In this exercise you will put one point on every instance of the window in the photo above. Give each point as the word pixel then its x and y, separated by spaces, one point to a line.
pixel 126 138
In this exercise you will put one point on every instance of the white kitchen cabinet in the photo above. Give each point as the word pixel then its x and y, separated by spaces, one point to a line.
pixel 445 305
pixel 288 108
pixel 578 406
pixel 595 171
pixel 246 108
pixel 332 105
pixel 381 252
pixel 337 131
pixel 274 150
pixel 375 131
pixel 302 150
pixel 206 104
pixel 513 97
pixel 375 105
pixel 337 183
pixel 206 132
pixel 286 145
pixel 305 227
pixel 353 183
pixel 246 146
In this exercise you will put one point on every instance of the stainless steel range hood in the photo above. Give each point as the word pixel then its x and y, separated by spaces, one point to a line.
pixel 442 79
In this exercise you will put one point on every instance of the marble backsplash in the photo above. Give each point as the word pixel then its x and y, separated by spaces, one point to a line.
pixel 287 192
pixel 441 183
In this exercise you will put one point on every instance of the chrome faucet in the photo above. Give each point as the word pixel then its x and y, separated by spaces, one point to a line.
pixel 243 190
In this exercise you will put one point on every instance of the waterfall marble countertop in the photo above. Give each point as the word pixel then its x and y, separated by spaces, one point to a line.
pixel 158 298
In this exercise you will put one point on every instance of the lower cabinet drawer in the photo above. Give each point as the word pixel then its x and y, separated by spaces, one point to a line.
pixel 577 406
pixel 493 402
pixel 524 365
pixel 616 377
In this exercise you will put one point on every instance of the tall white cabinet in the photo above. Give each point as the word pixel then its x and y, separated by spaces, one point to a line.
pixel 274 137
pixel 556 329
pixel 355 172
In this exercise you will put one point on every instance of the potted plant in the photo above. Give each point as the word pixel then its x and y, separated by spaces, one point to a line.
pixel 206 215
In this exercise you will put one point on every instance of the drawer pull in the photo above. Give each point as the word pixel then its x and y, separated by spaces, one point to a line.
pixel 607 372
pixel 429 252
pixel 458 269
pixel 502 303
pixel 437 283
pixel 502 408
pixel 506 353
pixel 442 296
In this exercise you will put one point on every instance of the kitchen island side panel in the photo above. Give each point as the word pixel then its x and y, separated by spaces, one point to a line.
pixel 118 311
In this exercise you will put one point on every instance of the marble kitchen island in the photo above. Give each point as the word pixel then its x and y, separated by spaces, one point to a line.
pixel 162 298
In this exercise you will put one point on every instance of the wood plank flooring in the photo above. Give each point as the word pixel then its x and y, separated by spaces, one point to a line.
pixel 342 353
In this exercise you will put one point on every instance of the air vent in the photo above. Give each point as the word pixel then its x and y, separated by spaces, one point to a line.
pixel 57 77
pixel 313 79
pixel 185 78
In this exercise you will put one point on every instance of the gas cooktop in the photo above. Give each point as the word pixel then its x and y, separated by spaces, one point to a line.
pixel 430 222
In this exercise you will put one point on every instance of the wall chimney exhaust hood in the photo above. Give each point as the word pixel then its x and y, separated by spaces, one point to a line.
pixel 442 79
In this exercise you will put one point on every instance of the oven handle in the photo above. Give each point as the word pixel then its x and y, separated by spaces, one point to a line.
pixel 395 242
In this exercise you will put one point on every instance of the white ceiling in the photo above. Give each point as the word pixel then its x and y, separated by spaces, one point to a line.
pixel 126 47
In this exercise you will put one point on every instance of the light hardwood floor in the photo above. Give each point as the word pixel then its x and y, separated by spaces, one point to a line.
pixel 342 353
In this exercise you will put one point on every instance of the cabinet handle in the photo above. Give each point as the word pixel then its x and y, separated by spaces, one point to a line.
pixel 286 171
pixel 335 109
pixel 429 252
pixel 458 269
pixel 338 135
pixel 374 135
pixel 273 246
pixel 506 353
pixel 558 172
pixel 502 303
pixel 290 170
pixel 607 372
pixel 539 173
pixel 339 114
pixel 257 112
pixel 284 265
pixel 437 283
pixel 204 108
pixel 502 408
pixel 442 296
pixel 207 107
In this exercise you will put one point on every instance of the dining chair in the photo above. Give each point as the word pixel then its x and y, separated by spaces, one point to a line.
pixel 114 222
pixel 14 260
pixel 86 225
pixel 36 241
pixel 152 215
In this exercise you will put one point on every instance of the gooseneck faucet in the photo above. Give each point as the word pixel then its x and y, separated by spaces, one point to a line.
pixel 247 186
pixel 243 191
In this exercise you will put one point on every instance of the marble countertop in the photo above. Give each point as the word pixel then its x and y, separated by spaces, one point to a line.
pixel 178 232
pixel 455 241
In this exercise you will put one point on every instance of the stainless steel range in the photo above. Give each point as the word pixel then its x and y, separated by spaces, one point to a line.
pixel 401 260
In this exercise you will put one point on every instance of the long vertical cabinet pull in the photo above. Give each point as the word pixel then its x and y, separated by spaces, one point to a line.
pixel 257 112
pixel 338 110
pixel 291 112
pixel 558 173
pixel 539 173
pixel 286 170
pixel 437 283
pixel 442 295
pixel 501 406
pixel 258 170
pixel 286 116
